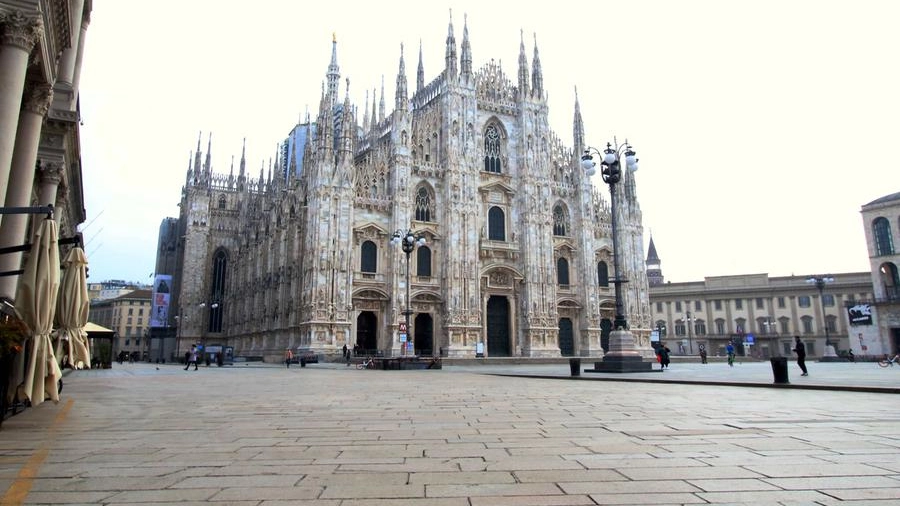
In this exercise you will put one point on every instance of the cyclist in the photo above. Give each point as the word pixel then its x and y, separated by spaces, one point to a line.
pixel 729 350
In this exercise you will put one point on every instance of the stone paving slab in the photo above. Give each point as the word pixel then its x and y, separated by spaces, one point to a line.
pixel 461 436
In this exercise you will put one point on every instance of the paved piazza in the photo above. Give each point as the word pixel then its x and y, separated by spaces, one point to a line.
pixel 331 435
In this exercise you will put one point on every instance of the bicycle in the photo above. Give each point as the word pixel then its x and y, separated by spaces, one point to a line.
pixel 890 361
pixel 367 363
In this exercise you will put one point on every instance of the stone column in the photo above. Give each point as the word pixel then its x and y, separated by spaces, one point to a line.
pixel 76 79
pixel 35 104
pixel 66 69
pixel 19 35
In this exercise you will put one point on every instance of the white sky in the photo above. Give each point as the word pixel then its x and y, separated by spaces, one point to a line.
pixel 762 126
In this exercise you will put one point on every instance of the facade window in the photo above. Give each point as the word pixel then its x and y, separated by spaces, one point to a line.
pixel 127 342
pixel 720 326
pixel 718 304
pixel 562 272
pixel 781 302
pixel 424 204
pixel 803 301
pixel 698 305
pixel 760 303
pixel 677 306
pixel 560 221
pixel 602 274
pixel 492 151
pixel 831 323
pixel 881 230
pixel 423 261
pixel 828 299
pixel 221 201
pixel 680 329
pixel 807 323
pixel 739 303
pixel 740 325
pixel 130 311
pixel 699 328
pixel 659 307
pixel 217 291
pixel 496 224
pixel 785 325
pixel 368 257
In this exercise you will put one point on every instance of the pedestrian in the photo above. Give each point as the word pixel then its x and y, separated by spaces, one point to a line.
pixel 192 358
pixel 729 350
pixel 288 357
pixel 663 356
pixel 800 350
pixel 346 352
pixel 702 354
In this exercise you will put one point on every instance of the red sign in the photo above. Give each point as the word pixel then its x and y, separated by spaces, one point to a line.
pixel 403 327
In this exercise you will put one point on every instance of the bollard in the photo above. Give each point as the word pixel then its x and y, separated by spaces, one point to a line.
pixel 780 370
pixel 575 366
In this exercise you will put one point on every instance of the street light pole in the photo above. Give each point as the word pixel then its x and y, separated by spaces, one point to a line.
pixel 820 282
pixel 611 171
pixel 408 241
pixel 623 354
pixel 690 323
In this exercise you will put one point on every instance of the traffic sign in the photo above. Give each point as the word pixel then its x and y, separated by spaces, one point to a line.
pixel 403 328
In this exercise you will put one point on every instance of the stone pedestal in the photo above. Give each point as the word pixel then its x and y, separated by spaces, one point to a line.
pixel 829 355
pixel 623 355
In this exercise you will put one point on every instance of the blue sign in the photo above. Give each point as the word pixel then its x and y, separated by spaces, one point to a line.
pixel 749 338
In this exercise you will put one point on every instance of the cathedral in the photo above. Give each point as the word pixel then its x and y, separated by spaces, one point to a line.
pixel 509 251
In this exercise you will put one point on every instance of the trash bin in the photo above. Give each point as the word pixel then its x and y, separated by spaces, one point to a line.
pixel 302 362
pixel 780 370
pixel 575 366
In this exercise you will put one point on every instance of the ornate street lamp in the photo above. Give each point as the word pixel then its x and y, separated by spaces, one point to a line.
pixel 611 171
pixel 820 282
pixel 408 242
pixel 623 355
pixel 690 323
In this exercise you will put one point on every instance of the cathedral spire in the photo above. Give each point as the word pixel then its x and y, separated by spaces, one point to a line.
pixel 366 109
pixel 420 73
pixel 243 168
pixel 578 129
pixel 197 166
pixel 334 72
pixel 523 66
pixel 450 70
pixel 346 140
pixel 381 102
pixel 537 75
pixel 374 111
pixel 207 167
pixel 466 56
pixel 401 97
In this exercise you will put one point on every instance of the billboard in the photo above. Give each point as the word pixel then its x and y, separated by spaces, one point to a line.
pixel 162 287
pixel 860 314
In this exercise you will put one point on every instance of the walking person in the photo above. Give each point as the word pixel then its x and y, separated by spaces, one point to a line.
pixel 729 350
pixel 663 351
pixel 288 358
pixel 800 350
pixel 702 354
pixel 192 358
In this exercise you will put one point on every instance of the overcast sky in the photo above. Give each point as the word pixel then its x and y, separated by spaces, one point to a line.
pixel 761 126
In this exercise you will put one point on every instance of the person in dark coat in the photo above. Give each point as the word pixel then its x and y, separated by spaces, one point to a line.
pixel 663 351
pixel 800 350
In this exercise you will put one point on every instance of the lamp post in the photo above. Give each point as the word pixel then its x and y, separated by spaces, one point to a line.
pixel 690 323
pixel 623 354
pixel 408 242
pixel 611 171
pixel 820 282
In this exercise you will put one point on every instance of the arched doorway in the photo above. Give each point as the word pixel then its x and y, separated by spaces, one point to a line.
pixel 498 326
pixel 367 332
pixel 424 335
pixel 566 338
pixel 605 329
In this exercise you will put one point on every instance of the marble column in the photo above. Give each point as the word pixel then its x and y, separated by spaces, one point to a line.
pixel 18 35
pixel 35 103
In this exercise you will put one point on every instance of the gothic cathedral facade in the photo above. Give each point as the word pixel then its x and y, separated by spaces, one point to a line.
pixel 517 257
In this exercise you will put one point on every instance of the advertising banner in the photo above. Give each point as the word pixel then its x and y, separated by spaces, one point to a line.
pixel 860 314
pixel 162 287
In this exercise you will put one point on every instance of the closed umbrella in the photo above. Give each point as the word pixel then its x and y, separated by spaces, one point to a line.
pixel 72 311
pixel 36 302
